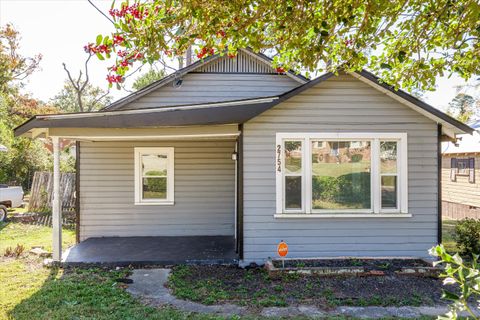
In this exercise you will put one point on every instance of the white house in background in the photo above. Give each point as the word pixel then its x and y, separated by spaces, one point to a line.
pixel 460 179
pixel 342 165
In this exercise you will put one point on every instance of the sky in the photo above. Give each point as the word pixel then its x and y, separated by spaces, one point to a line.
pixel 58 29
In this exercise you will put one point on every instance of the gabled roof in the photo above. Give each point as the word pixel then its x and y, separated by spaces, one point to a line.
pixel 230 112
pixel 192 68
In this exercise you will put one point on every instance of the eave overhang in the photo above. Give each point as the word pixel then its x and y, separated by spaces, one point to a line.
pixel 233 112
pixel 230 112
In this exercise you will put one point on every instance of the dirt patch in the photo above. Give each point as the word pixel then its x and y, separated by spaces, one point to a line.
pixel 352 266
pixel 367 264
pixel 253 287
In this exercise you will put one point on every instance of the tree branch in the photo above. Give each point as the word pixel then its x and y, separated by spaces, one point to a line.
pixel 103 14
pixel 95 101
pixel 69 76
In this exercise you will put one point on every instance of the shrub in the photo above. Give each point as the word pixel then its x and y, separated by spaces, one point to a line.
pixel 467 236
pixel 465 275
pixel 351 189
pixel 356 157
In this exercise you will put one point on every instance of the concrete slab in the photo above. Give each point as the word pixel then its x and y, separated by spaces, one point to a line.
pixel 142 251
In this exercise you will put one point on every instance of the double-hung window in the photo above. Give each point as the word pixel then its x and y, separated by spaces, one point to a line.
pixel 154 176
pixel 341 173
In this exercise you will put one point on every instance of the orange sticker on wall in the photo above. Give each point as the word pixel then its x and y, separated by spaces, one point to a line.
pixel 282 249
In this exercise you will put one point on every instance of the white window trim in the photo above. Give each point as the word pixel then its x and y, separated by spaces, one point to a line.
pixel 170 175
pixel 302 174
pixel 375 210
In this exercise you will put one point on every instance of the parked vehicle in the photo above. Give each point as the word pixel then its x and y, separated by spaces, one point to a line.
pixel 10 197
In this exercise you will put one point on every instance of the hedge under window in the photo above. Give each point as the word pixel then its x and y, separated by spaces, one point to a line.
pixel 343 173
pixel 154 176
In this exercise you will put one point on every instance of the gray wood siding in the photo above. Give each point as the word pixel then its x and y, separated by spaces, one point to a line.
pixel 215 87
pixel 242 62
pixel 204 191
pixel 340 104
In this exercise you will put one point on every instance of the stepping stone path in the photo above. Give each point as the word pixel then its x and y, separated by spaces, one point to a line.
pixel 149 286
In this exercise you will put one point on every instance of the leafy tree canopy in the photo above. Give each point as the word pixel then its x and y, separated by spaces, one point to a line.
pixel 24 156
pixel 406 42
pixel 14 66
pixel 463 107
pixel 92 98
pixel 145 79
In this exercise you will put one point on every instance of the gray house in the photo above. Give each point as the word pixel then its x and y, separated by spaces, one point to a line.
pixel 225 158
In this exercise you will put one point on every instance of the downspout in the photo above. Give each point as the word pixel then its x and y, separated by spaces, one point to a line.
pixel 77 191
pixel 239 233
pixel 439 183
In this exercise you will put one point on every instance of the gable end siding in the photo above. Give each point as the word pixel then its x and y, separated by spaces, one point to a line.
pixel 242 63
pixel 215 87
pixel 340 104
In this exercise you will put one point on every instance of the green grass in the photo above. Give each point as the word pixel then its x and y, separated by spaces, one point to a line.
pixel 13 211
pixel 338 169
pixel 37 293
pixel 448 230
pixel 27 235
pixel 30 291
pixel 74 294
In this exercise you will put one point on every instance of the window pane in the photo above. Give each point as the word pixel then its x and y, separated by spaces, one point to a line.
pixel 341 174
pixel 388 156
pixel 154 164
pixel 463 167
pixel 389 192
pixel 154 188
pixel 293 192
pixel 293 156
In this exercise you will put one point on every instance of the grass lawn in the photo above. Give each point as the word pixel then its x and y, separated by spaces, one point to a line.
pixel 448 230
pixel 30 291
pixel 27 235
pixel 338 169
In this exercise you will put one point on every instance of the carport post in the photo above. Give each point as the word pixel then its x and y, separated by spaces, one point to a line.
pixel 56 207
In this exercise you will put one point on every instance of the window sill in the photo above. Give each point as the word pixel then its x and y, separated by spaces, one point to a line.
pixel 340 215
pixel 163 203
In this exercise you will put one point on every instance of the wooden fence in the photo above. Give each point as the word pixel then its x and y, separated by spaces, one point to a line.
pixel 42 192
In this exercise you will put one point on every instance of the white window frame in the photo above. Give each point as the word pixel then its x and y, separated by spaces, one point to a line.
pixel 170 153
pixel 375 209
pixel 302 175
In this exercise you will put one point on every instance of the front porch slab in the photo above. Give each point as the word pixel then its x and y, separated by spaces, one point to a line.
pixel 144 251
